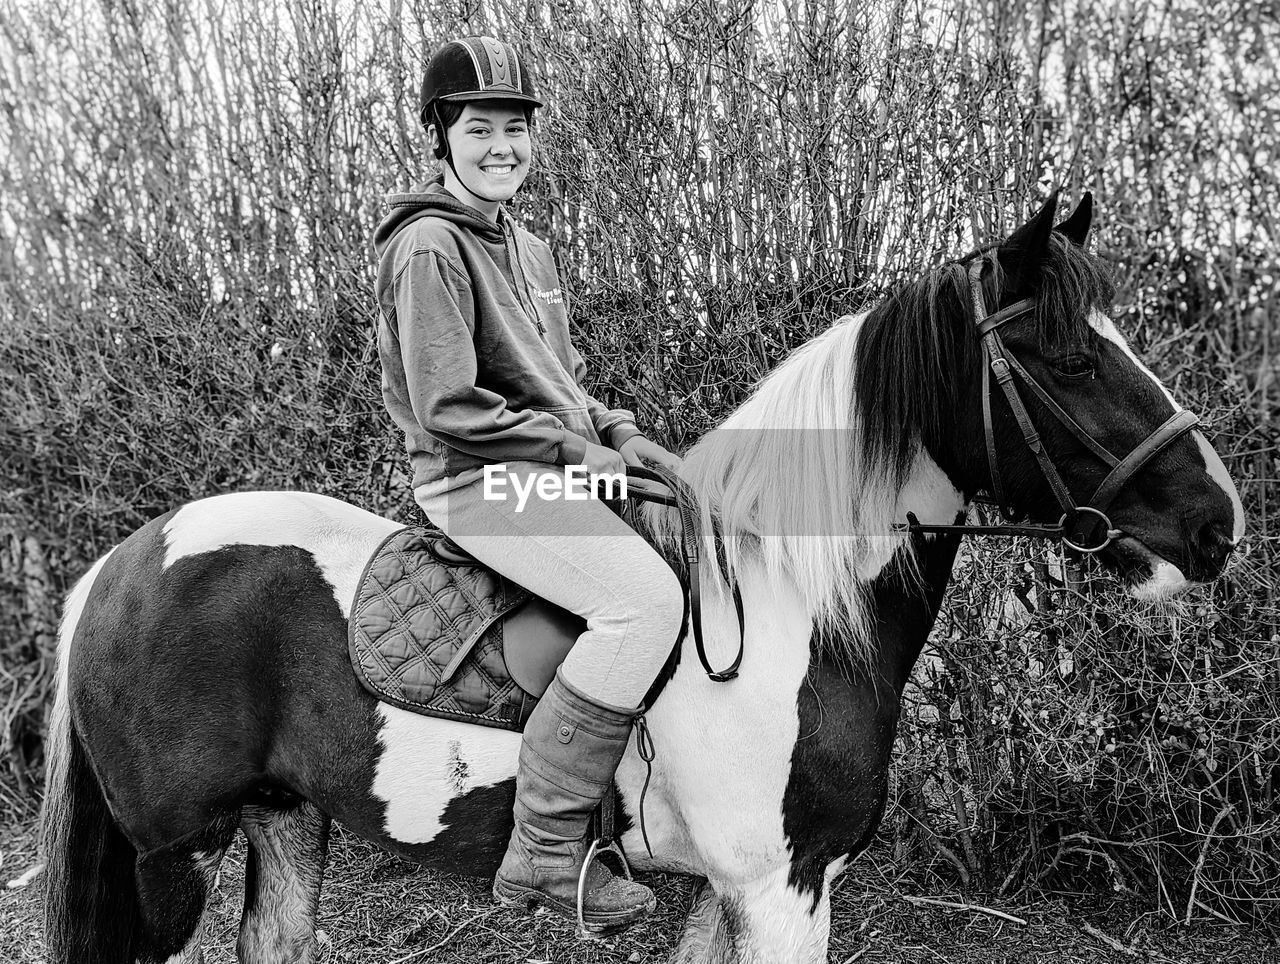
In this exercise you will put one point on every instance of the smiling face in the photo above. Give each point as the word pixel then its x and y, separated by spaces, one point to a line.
pixel 490 148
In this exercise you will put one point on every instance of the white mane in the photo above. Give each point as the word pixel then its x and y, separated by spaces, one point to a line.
pixel 788 481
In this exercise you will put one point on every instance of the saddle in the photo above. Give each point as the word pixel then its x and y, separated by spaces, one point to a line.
pixel 434 631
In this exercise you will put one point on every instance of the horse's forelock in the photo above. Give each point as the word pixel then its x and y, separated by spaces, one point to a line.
pixel 1073 283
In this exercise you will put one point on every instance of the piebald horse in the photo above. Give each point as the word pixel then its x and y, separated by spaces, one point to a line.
pixel 204 684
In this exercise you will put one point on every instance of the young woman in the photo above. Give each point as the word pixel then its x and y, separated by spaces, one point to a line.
pixel 478 370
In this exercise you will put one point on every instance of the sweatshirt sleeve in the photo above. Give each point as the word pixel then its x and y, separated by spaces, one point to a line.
pixel 436 325
pixel 613 425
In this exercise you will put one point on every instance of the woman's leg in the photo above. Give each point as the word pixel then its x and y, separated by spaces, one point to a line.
pixel 580 556
pixel 584 558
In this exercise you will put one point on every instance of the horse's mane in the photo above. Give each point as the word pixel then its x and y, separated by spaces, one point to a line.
pixel 804 476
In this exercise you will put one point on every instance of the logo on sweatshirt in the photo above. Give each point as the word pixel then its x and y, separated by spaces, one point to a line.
pixel 552 297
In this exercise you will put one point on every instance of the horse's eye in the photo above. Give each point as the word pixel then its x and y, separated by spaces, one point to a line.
pixel 1074 366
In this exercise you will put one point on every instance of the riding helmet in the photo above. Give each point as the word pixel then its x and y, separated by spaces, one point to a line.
pixel 475 68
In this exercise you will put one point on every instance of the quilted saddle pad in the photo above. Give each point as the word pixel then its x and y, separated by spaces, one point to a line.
pixel 427 635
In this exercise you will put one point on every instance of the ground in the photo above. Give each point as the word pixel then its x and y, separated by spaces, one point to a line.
pixel 377 909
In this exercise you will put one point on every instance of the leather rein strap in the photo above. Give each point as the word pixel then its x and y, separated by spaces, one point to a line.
pixel 1085 528
pixel 686 504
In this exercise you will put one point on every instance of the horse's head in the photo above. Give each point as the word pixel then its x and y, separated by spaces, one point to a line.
pixel 1153 499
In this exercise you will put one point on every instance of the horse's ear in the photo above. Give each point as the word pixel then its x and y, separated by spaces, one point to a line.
pixel 1076 226
pixel 1025 250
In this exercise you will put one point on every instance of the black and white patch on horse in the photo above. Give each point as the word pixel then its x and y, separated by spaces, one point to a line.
pixel 784 834
pixel 421 779
pixel 1172 568
pixel 839 771
pixel 205 684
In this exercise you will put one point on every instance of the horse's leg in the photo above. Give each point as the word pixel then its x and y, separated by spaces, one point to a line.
pixel 287 851
pixel 173 884
pixel 768 921
pixel 705 935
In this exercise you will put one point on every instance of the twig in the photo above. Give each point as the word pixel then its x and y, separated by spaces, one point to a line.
pixel 1222 917
pixel 445 940
pixel 951 905
pixel 854 956
pixel 25 878
pixel 946 852
pixel 1204 852
pixel 1108 940
pixel 1013 872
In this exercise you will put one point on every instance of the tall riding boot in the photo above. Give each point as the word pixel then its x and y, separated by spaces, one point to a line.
pixel 570 750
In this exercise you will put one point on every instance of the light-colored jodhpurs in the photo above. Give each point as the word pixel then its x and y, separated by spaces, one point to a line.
pixel 582 557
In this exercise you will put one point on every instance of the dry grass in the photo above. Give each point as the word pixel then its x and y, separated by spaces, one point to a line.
pixel 377 909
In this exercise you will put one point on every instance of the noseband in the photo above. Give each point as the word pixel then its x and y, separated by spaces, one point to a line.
pixel 1085 528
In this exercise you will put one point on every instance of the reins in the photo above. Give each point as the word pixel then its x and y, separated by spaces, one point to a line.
pixel 686 503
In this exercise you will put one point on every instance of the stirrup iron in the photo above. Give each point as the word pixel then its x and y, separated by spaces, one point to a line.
pixel 599 847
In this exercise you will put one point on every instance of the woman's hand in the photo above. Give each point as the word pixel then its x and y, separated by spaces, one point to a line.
pixel 601 460
pixel 637 449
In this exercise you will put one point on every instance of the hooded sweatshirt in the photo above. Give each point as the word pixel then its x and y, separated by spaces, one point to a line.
pixel 473 335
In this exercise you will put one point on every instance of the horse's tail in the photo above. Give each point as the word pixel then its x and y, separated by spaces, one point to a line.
pixel 91 902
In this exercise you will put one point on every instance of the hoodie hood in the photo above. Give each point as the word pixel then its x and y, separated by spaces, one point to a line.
pixel 431 201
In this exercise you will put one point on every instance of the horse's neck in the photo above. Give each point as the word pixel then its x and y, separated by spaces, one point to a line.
pixel 907 592
pixel 907 604
pixel 906 583
pixel 905 580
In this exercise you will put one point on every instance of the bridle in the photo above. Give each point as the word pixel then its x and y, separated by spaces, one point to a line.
pixel 1084 528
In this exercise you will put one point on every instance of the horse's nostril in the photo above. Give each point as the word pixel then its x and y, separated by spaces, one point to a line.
pixel 1215 534
pixel 1214 544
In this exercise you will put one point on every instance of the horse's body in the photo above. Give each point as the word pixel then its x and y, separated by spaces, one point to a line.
pixel 206 688
pixel 736 795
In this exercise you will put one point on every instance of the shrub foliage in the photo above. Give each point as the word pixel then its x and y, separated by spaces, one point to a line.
pixel 186 207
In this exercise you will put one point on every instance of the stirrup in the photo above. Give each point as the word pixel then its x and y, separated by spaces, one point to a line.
pixel 596 851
